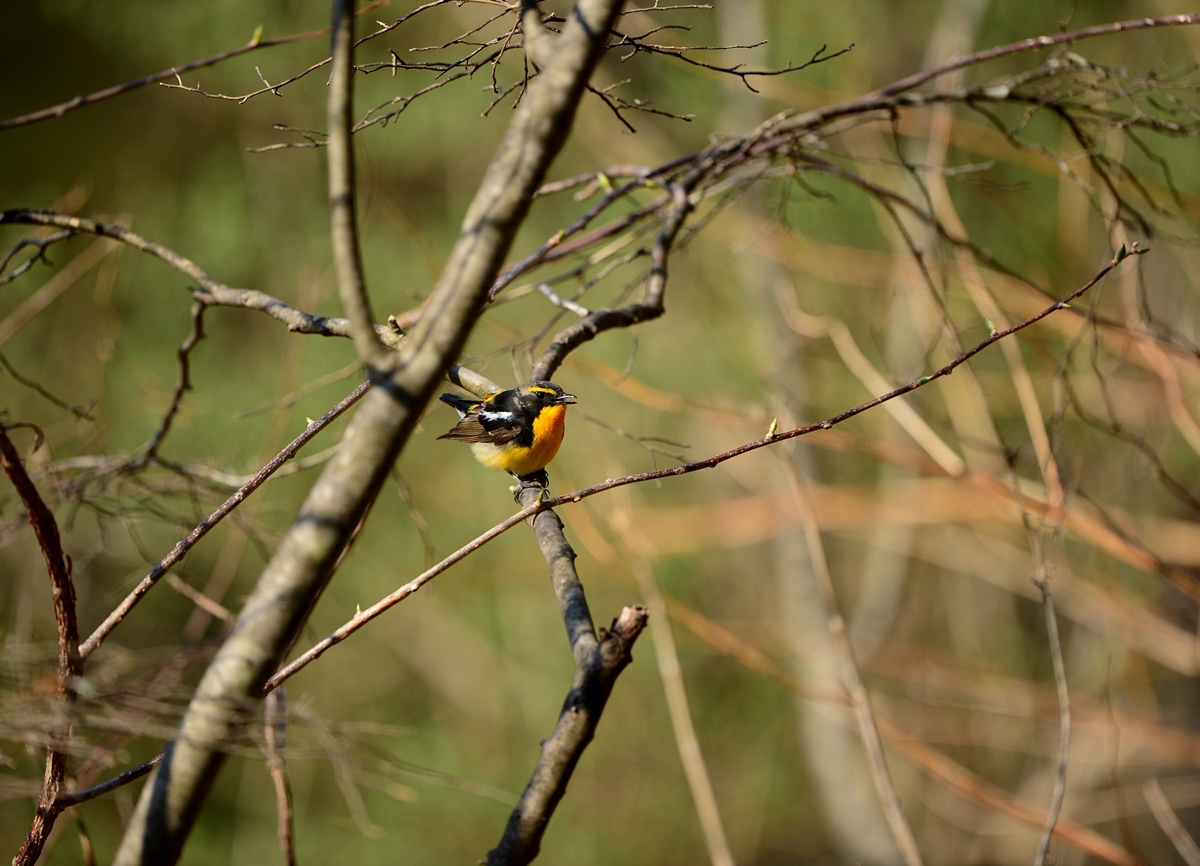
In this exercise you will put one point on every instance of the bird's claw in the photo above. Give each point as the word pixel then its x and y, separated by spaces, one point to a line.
pixel 539 481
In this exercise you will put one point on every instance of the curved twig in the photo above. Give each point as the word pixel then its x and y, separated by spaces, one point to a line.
pixel 599 321
pixel 70 663
pixel 208 291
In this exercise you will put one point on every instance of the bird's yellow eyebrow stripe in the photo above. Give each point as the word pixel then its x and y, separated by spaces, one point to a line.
pixel 543 390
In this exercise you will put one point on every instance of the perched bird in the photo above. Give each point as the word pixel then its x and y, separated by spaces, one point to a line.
pixel 516 431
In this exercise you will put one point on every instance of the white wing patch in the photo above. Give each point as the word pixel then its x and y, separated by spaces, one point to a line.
pixel 495 416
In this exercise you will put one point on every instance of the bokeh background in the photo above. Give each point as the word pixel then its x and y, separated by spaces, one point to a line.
pixel 795 299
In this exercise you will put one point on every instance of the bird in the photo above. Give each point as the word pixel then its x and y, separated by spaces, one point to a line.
pixel 516 431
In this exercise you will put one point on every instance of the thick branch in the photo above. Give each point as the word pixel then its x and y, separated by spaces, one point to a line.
pixel 343 230
pixel 298 572
pixel 598 663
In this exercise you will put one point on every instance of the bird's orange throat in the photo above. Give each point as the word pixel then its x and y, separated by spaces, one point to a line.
pixel 548 433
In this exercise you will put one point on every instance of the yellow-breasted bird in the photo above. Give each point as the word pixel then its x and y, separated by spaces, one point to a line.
pixel 516 431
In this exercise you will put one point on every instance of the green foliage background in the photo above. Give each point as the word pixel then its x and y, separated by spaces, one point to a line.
pixel 410 742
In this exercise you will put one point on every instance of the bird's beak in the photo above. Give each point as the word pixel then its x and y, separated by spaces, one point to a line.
pixel 565 399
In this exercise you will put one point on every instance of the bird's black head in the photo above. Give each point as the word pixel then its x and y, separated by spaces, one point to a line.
pixel 545 393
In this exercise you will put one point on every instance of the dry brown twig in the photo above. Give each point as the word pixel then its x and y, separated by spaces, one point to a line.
pixel 70 664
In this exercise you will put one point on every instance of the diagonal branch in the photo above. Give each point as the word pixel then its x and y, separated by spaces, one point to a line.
pixel 302 565
pixel 184 545
pixel 599 659
pixel 255 43
pixel 208 291
pixel 534 506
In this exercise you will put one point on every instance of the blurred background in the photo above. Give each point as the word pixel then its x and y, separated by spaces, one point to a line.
pixel 1068 454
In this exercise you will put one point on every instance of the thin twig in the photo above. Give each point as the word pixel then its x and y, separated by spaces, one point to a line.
pixel 255 43
pixel 563 303
pixel 651 307
pixel 56 285
pixel 1160 807
pixel 1039 42
pixel 207 290
pixel 183 383
pixel 274 735
pixel 76 797
pixel 40 256
pixel 78 411
pixel 183 546
pixel 363 617
pixel 70 664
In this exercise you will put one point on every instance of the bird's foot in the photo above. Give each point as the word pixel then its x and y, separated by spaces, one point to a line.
pixel 533 481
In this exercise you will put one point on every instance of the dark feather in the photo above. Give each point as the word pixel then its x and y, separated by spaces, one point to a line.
pixel 461 404
pixel 471 429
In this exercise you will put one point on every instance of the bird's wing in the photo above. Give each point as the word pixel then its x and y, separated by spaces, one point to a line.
pixel 480 425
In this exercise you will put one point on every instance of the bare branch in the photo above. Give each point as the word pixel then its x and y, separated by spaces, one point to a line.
pixel 78 411
pixel 598 662
pixel 40 256
pixel 207 290
pixel 347 251
pixel 76 797
pixel 59 110
pixel 1035 44
pixel 651 308
pixel 70 664
pixel 183 546
pixel 182 384
pixel 274 734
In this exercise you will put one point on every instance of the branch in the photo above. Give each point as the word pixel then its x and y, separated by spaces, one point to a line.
pixel 343 231
pixel 182 384
pixel 76 797
pixel 534 507
pixel 70 664
pixel 182 547
pixel 598 662
pixel 651 308
pixel 207 290
pixel 293 580
pixel 254 44
pixel 1038 42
